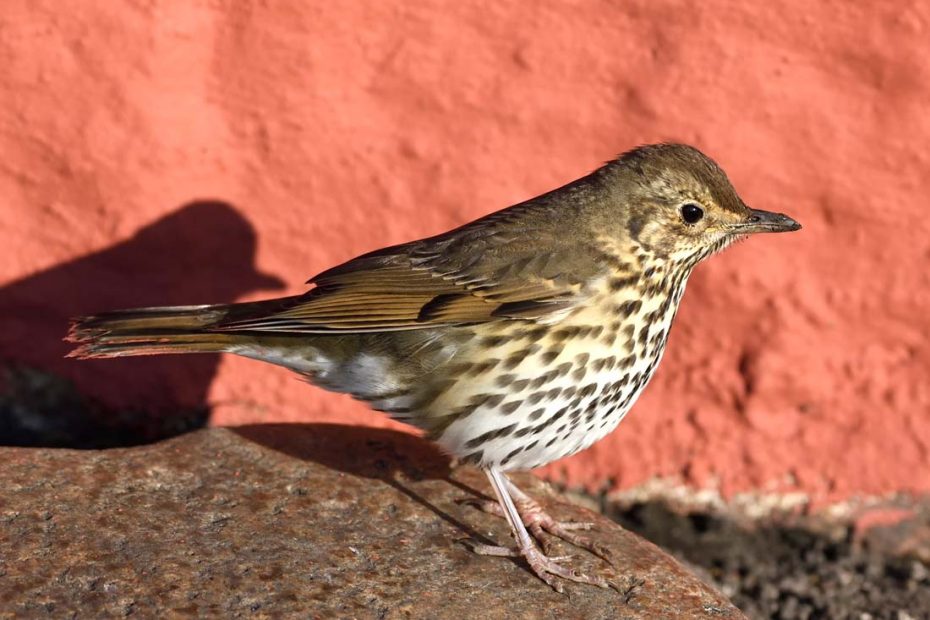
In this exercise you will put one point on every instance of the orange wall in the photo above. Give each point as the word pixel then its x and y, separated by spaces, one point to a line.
pixel 321 130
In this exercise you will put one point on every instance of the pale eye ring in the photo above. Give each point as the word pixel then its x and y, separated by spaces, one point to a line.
pixel 691 213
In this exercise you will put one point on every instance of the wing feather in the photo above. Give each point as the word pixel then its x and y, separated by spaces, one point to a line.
pixel 501 267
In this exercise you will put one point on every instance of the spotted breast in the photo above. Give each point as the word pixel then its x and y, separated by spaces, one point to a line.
pixel 543 392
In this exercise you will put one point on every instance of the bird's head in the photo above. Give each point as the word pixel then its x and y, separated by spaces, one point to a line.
pixel 678 205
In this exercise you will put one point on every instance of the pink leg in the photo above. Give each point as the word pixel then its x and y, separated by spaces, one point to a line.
pixel 539 521
pixel 547 568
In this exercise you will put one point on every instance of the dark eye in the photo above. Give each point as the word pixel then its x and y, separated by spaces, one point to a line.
pixel 691 213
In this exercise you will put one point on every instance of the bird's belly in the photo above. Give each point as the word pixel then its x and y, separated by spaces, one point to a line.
pixel 540 399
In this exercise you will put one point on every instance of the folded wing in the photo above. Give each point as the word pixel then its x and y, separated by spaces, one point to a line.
pixel 485 271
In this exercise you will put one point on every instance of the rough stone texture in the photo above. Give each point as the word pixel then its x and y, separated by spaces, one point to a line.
pixel 292 521
pixel 799 362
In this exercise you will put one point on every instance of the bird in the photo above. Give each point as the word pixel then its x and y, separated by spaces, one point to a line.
pixel 512 341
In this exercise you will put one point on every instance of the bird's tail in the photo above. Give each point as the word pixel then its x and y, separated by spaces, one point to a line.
pixel 151 331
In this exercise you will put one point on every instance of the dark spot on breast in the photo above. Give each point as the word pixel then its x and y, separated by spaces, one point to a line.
pixel 508 408
pixel 535 398
pixel 628 308
pixel 514 360
pixel 493 400
pixel 537 414
pixel 482 367
pixel 562 369
pixel 587 390
pixel 537 332
pixel 490 435
pixel 618 284
pixel 613 261
pixel 494 341
pixel 539 381
pixel 504 380
pixel 565 333
pixel 549 356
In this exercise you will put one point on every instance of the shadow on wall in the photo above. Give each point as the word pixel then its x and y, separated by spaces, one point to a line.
pixel 202 253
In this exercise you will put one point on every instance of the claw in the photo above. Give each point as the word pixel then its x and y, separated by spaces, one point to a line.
pixel 576 525
pixel 499 551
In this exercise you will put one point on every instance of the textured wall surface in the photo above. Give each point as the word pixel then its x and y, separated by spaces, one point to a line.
pixel 203 151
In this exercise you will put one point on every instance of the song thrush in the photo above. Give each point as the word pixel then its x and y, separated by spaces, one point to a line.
pixel 512 341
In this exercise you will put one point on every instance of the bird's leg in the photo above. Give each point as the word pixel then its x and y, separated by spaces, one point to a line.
pixel 546 568
pixel 539 521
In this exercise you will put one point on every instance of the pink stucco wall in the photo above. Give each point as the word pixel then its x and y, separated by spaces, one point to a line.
pixel 188 151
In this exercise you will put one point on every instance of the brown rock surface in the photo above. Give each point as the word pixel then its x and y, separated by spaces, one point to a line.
pixel 290 520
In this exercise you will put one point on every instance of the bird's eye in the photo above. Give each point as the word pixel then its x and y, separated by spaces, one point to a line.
pixel 691 213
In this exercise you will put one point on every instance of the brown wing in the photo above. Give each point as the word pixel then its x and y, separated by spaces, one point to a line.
pixel 500 267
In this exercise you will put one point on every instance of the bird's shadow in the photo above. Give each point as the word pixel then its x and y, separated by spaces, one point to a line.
pixel 395 458
pixel 201 253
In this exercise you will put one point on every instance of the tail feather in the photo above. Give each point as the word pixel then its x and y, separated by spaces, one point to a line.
pixel 150 331
pixel 168 317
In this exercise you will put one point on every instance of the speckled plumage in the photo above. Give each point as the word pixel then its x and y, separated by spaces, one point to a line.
pixel 513 341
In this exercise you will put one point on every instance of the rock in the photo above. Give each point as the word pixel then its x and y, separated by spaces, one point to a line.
pixel 293 521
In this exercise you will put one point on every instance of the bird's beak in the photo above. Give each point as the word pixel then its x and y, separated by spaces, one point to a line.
pixel 765 221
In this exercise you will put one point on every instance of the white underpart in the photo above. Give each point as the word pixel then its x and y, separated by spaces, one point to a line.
pixel 365 375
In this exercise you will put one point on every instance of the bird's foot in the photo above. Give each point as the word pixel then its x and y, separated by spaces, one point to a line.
pixel 522 512
pixel 538 521
pixel 550 569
